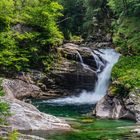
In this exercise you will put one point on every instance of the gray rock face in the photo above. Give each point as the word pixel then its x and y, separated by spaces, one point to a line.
pixel 19 89
pixel 72 51
pixel 112 108
pixel 73 77
pixel 118 107
pixel 25 116
pixel 21 28
pixel 68 76
pixel 132 103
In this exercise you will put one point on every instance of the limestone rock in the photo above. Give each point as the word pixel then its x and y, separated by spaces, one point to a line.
pixel 113 108
pixel 73 76
pixel 19 89
pixel 72 52
pixel 67 77
pixel 132 103
pixel 27 117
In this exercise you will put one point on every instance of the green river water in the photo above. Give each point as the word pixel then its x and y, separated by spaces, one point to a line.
pixel 85 127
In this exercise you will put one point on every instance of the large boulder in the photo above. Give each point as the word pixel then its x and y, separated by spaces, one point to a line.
pixel 25 116
pixel 132 103
pixel 76 71
pixel 73 77
pixel 19 89
pixel 79 54
pixel 112 108
pixel 117 107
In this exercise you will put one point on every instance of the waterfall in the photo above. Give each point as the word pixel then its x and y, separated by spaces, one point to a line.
pixel 82 62
pixel 80 57
pixel 99 63
pixel 102 84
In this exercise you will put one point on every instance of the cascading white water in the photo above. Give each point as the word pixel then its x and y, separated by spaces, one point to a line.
pixel 101 86
pixel 80 57
pixel 82 62
pixel 99 63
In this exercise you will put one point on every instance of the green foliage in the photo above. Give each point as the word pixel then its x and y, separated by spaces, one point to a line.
pixel 48 61
pixel 126 74
pixel 95 15
pixel 4 112
pixel 76 39
pixel 127 36
pixel 126 27
pixel 10 56
pixel 6 11
pixel 4 107
pixel 125 7
pixel 44 16
pixel 71 23
pixel 79 16
pixel 28 31
pixel 1 89
pixel 13 135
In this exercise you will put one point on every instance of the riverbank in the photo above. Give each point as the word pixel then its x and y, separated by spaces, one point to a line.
pixel 85 127
pixel 36 85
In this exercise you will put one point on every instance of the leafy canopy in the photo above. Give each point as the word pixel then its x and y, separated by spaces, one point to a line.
pixel 27 32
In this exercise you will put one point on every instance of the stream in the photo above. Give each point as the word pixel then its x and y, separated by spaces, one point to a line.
pixel 76 109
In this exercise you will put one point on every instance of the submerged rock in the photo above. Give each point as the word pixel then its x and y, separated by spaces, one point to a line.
pixel 5 134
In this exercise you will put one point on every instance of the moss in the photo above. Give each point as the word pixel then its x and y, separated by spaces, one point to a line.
pixel 126 75
pixel 1 89
pixel 13 135
pixel 76 39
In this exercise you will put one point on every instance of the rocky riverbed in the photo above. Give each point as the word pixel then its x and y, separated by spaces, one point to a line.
pixel 78 70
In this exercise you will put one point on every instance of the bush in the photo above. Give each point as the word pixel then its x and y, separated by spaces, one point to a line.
pixel 28 33
pixel 13 135
pixel 127 36
pixel 126 75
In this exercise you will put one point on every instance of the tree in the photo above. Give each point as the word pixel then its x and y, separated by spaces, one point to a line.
pixel 28 31
pixel 72 21
pixel 125 7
